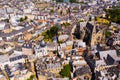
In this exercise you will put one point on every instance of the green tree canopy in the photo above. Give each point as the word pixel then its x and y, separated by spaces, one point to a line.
pixel 25 18
pixel 65 72
pixel 49 34
pixel 54 31
pixel 55 52
pixel 113 15
pixel 107 34
pixel 65 24
pixel 52 11
pixel 31 77
pixel 21 19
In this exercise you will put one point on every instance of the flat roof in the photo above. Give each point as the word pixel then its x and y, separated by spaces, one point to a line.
pixel 4 58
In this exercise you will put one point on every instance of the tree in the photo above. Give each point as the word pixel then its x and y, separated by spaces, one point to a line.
pixel 25 18
pixel 31 77
pixel 49 34
pixel 107 34
pixel 55 52
pixel 7 20
pixel 65 24
pixel 95 18
pixel 65 72
pixel 59 0
pixel 59 42
pixel 31 20
pixel 73 1
pixel 21 19
pixel 113 15
pixel 52 11
pixel 54 31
